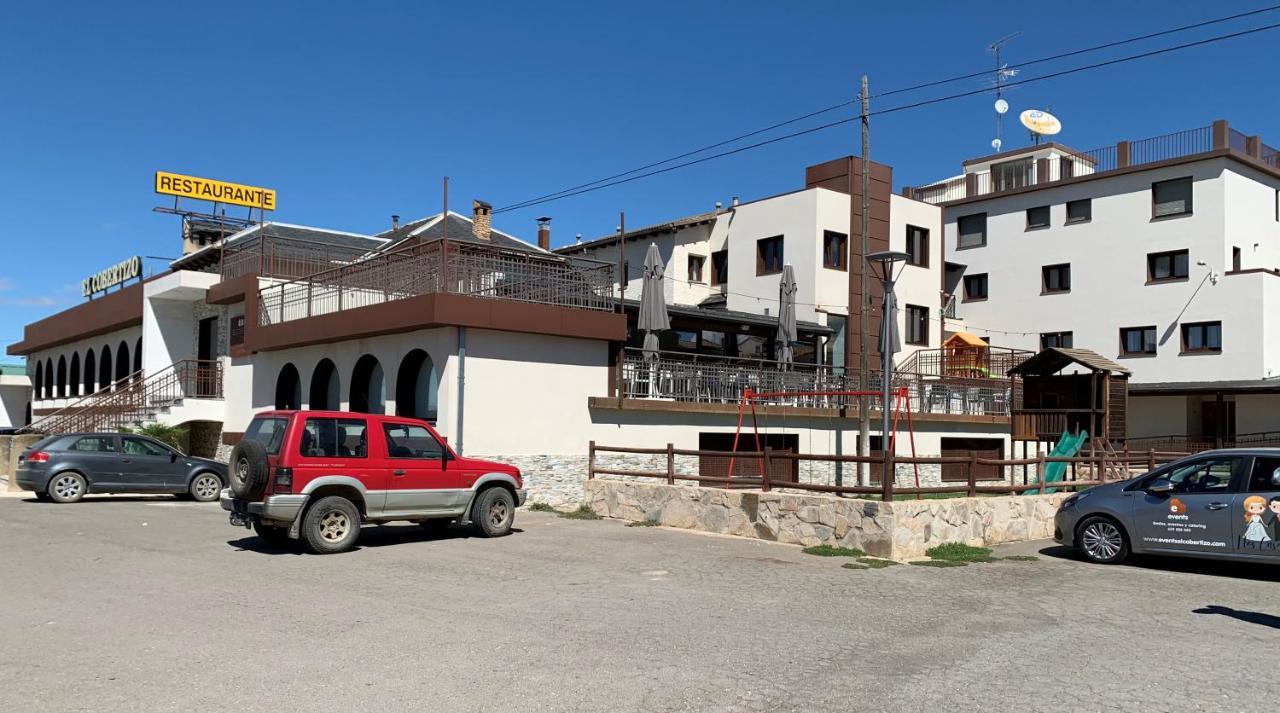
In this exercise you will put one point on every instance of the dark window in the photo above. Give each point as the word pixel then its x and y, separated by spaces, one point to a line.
pixel 975 287
pixel 917 325
pixel 751 346
pixel 719 267
pixel 410 441
pixel 972 230
pixel 334 438
pixel 1202 337
pixel 1055 340
pixel 237 330
pixel 1038 217
pixel 95 444
pixel 696 263
pixel 1056 278
pixel 988 448
pixel 267 431
pixel 1266 477
pixel 1138 340
pixel 769 255
pixel 712 343
pixel 1167 266
pixel 1171 198
pixel 142 447
pixel 670 340
pixel 1080 211
pixel 1009 175
pixel 1212 475
pixel 917 246
pixel 835 250
pixel 1235 259
pixel 805 351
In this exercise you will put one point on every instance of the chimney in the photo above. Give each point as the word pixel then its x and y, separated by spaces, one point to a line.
pixel 544 233
pixel 734 202
pixel 395 222
pixel 481 227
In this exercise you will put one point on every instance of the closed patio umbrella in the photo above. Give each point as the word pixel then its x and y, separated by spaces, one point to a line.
pixel 653 307
pixel 787 334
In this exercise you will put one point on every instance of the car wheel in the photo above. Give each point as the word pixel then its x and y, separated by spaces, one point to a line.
pixel 332 525
pixel 271 534
pixel 437 526
pixel 1102 540
pixel 247 472
pixel 493 513
pixel 67 487
pixel 205 488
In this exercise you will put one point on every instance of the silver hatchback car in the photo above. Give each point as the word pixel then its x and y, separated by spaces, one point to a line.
pixel 1221 504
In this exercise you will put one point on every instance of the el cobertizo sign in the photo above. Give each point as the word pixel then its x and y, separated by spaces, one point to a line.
pixel 120 272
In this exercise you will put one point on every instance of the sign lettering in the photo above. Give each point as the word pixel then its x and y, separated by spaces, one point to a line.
pixel 120 272
pixel 207 189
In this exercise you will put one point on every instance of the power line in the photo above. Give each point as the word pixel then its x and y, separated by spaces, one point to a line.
pixel 588 188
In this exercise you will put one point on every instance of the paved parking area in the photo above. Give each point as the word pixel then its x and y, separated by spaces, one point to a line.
pixel 128 604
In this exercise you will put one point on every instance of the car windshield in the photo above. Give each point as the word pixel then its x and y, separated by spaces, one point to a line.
pixel 269 431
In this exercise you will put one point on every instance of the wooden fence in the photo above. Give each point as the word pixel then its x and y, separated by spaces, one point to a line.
pixel 1100 467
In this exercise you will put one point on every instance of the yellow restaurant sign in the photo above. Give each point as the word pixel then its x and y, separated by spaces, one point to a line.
pixel 206 189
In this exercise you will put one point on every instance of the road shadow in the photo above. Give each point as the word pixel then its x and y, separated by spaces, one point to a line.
pixel 1252 617
pixel 1235 569
pixel 371 536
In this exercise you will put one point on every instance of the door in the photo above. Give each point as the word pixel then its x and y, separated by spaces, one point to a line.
pixel 145 465
pixel 206 352
pixel 1195 515
pixel 337 449
pixel 1218 423
pixel 99 457
pixel 421 481
pixel 1255 512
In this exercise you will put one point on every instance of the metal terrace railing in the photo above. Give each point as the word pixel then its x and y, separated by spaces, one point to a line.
pixel 454 267
pixel 273 256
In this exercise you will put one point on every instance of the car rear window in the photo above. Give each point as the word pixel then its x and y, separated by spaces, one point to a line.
pixel 334 438
pixel 267 431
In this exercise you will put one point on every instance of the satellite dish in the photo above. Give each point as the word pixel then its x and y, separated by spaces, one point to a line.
pixel 996 144
pixel 1002 106
pixel 1040 122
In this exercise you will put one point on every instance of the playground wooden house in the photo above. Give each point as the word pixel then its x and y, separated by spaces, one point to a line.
pixel 1070 391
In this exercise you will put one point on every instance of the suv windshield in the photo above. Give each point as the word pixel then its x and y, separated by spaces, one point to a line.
pixel 267 431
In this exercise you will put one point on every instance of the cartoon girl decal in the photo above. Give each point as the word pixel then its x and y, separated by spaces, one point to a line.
pixel 1254 531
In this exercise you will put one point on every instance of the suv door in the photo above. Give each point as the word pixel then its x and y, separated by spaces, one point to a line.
pixel 1196 515
pixel 339 448
pixel 144 464
pixel 422 483
pixel 1255 512
pixel 98 457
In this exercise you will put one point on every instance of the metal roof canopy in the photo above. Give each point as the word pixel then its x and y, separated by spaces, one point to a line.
pixel 1055 359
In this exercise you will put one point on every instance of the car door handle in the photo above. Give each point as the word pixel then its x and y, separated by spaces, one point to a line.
pixel 397 472
pixel 1217 506
pixel 125 460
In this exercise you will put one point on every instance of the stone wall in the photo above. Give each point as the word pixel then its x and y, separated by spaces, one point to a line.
pixel 10 448
pixel 898 530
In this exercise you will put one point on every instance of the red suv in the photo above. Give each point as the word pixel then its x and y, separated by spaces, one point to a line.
pixel 318 475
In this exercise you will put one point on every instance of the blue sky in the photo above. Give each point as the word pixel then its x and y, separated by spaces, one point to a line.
pixel 355 111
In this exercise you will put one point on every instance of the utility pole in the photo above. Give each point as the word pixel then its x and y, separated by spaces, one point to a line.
pixel 864 297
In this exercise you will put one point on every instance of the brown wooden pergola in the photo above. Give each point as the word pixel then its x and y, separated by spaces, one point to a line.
pixel 1093 396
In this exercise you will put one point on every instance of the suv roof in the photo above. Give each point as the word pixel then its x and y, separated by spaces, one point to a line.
pixel 285 413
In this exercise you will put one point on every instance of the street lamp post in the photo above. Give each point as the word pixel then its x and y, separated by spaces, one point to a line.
pixel 885 261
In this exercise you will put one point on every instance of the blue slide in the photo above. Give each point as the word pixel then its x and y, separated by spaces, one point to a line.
pixel 1068 446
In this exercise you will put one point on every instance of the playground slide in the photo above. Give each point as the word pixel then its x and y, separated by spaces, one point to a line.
pixel 1068 446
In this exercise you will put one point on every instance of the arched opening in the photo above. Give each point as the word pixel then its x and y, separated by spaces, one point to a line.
pixel 73 376
pixel 61 379
pixel 90 372
pixel 48 378
pixel 39 391
pixel 137 358
pixel 417 387
pixel 326 394
pixel 122 362
pixel 288 388
pixel 104 368
pixel 368 387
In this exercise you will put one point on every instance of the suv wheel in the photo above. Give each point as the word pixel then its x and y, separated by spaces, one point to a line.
pixel 205 488
pixel 67 487
pixel 332 525
pixel 271 534
pixel 1101 540
pixel 248 470
pixel 493 513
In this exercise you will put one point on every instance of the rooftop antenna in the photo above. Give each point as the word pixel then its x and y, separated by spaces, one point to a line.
pixel 1002 73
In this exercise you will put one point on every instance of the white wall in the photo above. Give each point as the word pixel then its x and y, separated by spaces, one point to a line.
pixel 129 336
pixel 793 216
pixel 1156 416
pixel 919 286
pixel 15 394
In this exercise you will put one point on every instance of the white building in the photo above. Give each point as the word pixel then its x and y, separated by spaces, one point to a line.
pixel 1162 253
pixel 15 396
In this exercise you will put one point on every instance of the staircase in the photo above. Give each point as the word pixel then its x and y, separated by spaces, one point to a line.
pixel 135 401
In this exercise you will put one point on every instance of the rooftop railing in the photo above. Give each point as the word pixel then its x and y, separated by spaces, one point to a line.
pixel 279 257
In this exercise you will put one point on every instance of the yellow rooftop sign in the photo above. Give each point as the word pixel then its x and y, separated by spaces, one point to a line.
pixel 206 189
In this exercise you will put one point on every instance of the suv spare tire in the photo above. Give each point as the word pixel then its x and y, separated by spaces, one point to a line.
pixel 248 470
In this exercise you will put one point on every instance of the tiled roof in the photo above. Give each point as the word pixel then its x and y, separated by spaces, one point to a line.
pixel 460 228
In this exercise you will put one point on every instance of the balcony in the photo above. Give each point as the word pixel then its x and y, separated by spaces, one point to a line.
pixel 280 257
pixel 442 267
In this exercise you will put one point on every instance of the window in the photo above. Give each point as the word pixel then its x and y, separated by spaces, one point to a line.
pixel 835 250
pixel 751 346
pixel 1055 278
pixel 696 263
pixel 1235 259
pixel 971 230
pixel 1055 340
pixel 334 438
pixel 237 330
pixel 1266 476
pixel 769 255
pixel 975 287
pixel 406 440
pixel 267 431
pixel 1171 198
pixel 1204 476
pixel 671 340
pixel 1080 211
pixel 917 325
pixel 1164 267
pixel 1136 341
pixel 95 444
pixel 1038 217
pixel 712 343
pixel 719 267
pixel 1009 175
pixel 917 246
pixel 1202 337
pixel 143 447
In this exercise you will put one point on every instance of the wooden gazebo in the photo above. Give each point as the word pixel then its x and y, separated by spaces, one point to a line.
pixel 1070 390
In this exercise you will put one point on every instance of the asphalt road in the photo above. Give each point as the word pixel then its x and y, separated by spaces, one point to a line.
pixel 158 605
